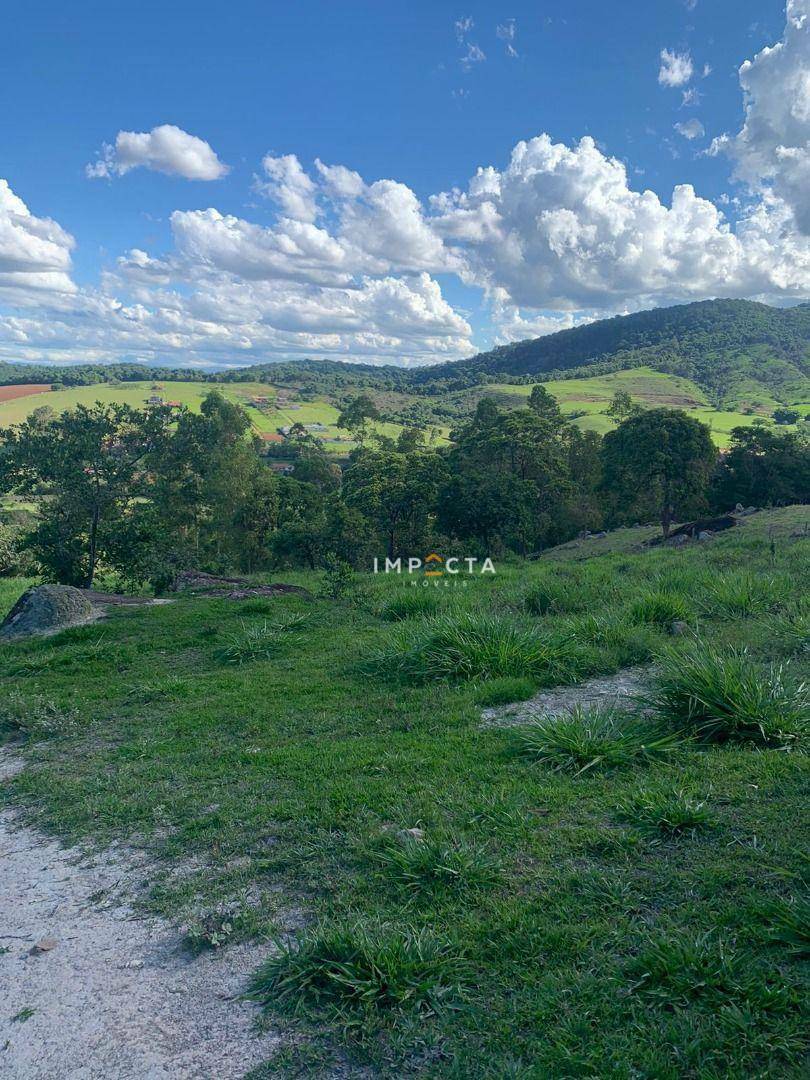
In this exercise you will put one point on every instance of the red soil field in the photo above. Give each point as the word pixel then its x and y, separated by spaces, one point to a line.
pixel 8 393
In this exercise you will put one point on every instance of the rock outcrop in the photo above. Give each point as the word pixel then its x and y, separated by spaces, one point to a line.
pixel 47 609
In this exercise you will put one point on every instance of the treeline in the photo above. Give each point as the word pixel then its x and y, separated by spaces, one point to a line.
pixel 143 494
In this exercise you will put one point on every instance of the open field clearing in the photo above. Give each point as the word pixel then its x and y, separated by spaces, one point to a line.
pixel 592 893
pixel 10 393
pixel 14 409
pixel 651 389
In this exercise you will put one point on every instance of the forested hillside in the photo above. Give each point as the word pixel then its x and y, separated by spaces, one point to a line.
pixel 726 346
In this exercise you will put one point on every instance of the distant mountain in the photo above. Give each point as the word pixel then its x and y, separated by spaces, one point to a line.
pixel 728 347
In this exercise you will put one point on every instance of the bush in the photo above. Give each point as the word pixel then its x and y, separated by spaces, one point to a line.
pixel 338 581
pixel 334 968
pixel 433 865
pixel 662 812
pixel 722 696
pixel 473 646
pixel 592 738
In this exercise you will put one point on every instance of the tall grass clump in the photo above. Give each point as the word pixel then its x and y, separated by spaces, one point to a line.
pixel 473 646
pixel 335 969
pixel 722 696
pixel 600 737
pixel 615 632
pixel 411 604
pixel 261 641
pixel 739 594
pixel 559 596
pixel 661 608
pixel 660 813
pixel 789 631
pixel 429 866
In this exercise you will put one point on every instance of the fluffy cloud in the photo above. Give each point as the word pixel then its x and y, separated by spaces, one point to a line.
pixel 166 149
pixel 691 129
pixel 34 252
pixel 561 229
pixel 676 68
pixel 772 149
pixel 290 186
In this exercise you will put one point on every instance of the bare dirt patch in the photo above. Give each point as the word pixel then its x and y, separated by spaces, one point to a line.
pixel 617 690
pixel 92 990
pixel 9 393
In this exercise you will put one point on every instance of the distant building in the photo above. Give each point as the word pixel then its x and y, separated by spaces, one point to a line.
pixel 154 399
pixel 271 437
pixel 281 466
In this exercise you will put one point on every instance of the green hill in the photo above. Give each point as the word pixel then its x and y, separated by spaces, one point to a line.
pixel 737 351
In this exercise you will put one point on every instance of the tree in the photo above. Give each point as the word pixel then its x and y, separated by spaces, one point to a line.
pixel 357 417
pixel 786 416
pixel 93 460
pixel 657 462
pixel 761 467
pixel 543 404
pixel 622 406
pixel 507 479
pixel 396 493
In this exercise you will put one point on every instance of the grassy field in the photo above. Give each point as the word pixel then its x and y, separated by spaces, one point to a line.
pixel 191 394
pixel 585 898
pixel 651 389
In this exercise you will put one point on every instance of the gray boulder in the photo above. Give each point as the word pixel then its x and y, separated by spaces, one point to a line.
pixel 47 609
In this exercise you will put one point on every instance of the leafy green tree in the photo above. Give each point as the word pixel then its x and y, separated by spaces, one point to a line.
pixel 544 404
pixel 358 416
pixel 657 463
pixel 786 416
pixel 622 406
pixel 396 493
pixel 762 467
pixel 507 479
pixel 93 461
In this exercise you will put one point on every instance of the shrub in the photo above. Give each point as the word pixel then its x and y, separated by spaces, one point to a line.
pixel 662 813
pixel 592 738
pixel 661 608
pixel 721 696
pixel 334 968
pixel 504 691
pixel 433 865
pixel 338 581
pixel 411 603
pixel 473 646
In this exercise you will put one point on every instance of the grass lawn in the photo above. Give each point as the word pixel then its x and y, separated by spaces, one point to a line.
pixel 586 902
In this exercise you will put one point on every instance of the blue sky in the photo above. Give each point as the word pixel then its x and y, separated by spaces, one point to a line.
pixel 254 262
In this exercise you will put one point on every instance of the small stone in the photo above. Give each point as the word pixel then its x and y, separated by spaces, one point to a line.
pixel 45 945
pixel 705 535
pixel 679 628
pixel 412 834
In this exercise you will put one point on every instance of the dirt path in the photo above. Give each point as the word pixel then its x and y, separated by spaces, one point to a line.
pixel 616 689
pixel 110 996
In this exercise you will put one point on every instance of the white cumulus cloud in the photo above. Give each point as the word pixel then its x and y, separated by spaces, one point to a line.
pixel 165 149
pixel 34 252
pixel 772 149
